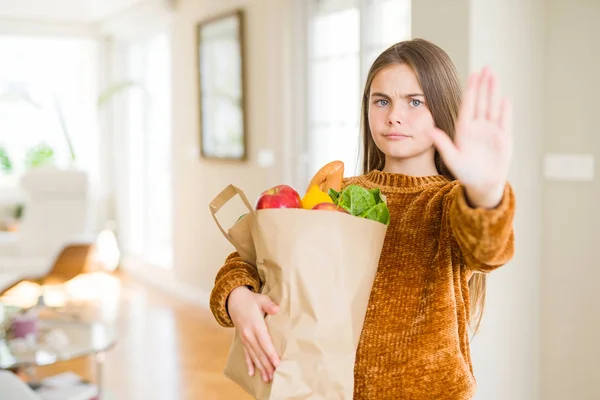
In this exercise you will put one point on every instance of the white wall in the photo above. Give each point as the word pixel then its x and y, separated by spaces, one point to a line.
pixel 199 247
pixel 272 70
pixel 571 223
pixel 508 36
pixel 445 23
pixel 60 12
pixel 498 33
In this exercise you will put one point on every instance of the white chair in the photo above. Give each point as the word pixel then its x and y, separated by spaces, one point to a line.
pixel 55 215
pixel 12 388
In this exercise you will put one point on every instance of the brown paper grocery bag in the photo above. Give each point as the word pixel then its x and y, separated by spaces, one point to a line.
pixel 319 267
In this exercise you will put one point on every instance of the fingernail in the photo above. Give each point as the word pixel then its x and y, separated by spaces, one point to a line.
pixel 271 376
pixel 250 372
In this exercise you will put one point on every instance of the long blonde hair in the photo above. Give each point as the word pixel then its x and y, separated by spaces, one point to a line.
pixel 439 80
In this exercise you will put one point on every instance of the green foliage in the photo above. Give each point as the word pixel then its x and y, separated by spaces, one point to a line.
pixel 38 156
pixel 5 163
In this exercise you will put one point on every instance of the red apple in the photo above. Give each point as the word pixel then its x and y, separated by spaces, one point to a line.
pixel 280 196
pixel 330 207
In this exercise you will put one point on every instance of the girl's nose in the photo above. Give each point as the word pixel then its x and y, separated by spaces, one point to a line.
pixel 396 116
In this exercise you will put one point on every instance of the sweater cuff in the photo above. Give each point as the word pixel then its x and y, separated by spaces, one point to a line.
pixel 478 216
pixel 222 290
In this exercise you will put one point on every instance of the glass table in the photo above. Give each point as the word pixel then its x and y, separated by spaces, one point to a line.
pixel 83 338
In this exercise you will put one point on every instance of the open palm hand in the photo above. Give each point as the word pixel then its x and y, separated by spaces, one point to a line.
pixel 481 152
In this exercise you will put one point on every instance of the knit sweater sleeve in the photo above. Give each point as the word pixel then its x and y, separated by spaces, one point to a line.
pixel 485 236
pixel 234 273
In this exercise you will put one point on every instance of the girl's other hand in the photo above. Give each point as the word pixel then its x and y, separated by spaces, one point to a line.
pixel 247 310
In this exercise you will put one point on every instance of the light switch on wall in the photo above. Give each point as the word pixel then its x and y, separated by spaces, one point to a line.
pixel 266 158
pixel 569 167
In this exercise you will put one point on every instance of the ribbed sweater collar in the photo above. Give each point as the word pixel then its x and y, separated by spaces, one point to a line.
pixel 388 180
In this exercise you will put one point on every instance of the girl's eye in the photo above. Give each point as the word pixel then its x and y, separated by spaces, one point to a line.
pixel 382 103
pixel 415 102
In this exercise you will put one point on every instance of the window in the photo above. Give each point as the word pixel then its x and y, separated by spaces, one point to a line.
pixel 148 158
pixel 345 37
pixel 48 86
pixel 334 89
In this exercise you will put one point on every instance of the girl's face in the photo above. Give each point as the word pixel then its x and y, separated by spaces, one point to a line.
pixel 399 118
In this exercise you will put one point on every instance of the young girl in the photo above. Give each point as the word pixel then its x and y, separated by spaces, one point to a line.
pixel 443 166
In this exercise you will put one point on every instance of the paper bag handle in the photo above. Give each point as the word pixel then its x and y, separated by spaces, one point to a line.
pixel 223 198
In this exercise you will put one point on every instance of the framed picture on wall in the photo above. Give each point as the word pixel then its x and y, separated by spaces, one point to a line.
pixel 220 61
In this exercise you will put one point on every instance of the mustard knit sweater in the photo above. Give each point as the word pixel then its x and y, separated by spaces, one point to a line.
pixel 414 343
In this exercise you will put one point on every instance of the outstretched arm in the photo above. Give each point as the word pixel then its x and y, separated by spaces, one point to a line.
pixel 482 206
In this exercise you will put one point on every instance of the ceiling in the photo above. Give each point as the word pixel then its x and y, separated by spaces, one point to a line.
pixel 76 11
